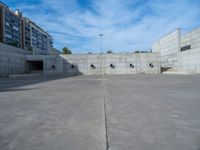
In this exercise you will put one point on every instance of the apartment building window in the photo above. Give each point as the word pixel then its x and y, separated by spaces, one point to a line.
pixel 7 14
pixel 8 36
pixel 16 28
pixel 7 23
pixel 7 20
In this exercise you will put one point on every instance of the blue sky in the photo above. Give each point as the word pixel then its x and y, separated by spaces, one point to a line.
pixel 127 25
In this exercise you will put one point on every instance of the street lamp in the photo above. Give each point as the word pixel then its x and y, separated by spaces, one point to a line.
pixel 100 35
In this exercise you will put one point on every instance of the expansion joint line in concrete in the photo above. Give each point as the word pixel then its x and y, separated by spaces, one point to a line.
pixel 105 112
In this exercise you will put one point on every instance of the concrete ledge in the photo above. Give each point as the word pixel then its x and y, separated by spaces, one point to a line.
pixel 25 75
pixel 180 73
pixel 35 57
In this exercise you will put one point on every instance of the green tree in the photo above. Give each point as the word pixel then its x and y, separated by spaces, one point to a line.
pixel 137 51
pixel 66 50
pixel 30 48
pixel 109 52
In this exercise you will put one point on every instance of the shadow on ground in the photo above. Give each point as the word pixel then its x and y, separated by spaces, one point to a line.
pixel 14 84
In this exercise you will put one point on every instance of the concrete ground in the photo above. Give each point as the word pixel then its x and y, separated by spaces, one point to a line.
pixel 146 112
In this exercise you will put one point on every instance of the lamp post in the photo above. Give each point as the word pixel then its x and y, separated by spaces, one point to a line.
pixel 100 35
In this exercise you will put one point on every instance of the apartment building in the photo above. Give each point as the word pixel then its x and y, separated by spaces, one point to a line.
pixel 21 32
pixel 35 38
pixel 10 27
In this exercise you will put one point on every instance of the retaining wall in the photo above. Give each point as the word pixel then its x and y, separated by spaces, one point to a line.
pixel 189 60
pixel 105 64
pixel 12 60
pixel 168 46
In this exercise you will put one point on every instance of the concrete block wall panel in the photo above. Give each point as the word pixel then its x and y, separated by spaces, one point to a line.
pixel 50 61
pixel 143 63
pixel 168 46
pixel 94 64
pixel 132 59
pixel 121 65
pixel 12 60
pixel 111 59
pixel 153 60
pixel 104 65
pixel 82 64
pixel 70 64
pixel 189 61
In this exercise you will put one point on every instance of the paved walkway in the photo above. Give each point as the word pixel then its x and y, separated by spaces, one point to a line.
pixel 147 112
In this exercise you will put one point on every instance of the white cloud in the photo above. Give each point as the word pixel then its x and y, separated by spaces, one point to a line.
pixel 126 25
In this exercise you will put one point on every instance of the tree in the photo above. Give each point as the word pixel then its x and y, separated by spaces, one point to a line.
pixel 66 50
pixel 15 44
pixel 137 51
pixel 141 51
pixel 109 52
pixel 30 48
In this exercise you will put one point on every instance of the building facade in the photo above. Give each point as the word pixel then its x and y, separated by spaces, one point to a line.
pixel 21 32
pixel 180 52
pixel 10 27
pixel 35 38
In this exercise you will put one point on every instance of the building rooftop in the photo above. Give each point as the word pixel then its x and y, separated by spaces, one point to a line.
pixel 1 3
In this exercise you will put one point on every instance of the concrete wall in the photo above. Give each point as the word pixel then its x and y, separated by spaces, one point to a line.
pixel 191 38
pixel 12 60
pixel 48 62
pixel 172 52
pixel 189 60
pixel 168 46
pixel 81 64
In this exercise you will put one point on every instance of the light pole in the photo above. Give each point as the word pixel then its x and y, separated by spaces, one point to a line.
pixel 101 35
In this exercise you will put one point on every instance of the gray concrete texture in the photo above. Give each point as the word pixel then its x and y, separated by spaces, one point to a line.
pixel 96 64
pixel 189 61
pixel 145 112
pixel 170 46
pixel 12 60
pixel 121 63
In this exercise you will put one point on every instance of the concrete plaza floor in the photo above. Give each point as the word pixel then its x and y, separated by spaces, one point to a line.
pixel 142 112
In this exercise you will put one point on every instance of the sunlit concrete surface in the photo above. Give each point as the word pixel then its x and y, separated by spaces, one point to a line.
pixel 42 114
pixel 143 112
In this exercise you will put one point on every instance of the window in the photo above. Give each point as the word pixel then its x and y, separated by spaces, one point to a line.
pixel 8 36
pixel 16 28
pixel 185 48
pixel 7 24
pixel 34 38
